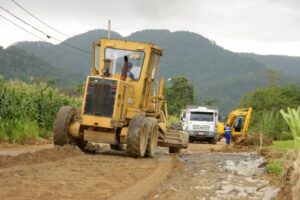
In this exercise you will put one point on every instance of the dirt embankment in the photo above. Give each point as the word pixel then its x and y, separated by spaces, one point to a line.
pixel 40 156
pixel 296 177
pixel 290 178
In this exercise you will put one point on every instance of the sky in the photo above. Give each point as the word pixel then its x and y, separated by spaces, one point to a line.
pixel 259 26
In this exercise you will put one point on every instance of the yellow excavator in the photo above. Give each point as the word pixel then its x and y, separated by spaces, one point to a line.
pixel 239 121
pixel 123 103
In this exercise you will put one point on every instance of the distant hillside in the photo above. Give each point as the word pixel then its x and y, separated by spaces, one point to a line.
pixel 215 72
pixel 288 65
pixel 18 64
pixel 65 57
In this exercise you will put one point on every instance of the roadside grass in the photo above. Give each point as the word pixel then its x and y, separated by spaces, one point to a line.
pixel 274 167
pixel 286 145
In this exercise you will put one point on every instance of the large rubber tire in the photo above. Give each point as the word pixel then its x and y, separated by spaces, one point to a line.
pixel 64 118
pixel 152 137
pixel 137 137
pixel 174 150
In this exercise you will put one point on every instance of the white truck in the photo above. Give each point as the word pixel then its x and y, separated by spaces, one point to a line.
pixel 201 123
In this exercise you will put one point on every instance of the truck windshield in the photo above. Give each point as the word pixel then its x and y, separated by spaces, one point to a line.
pixel 116 57
pixel 202 116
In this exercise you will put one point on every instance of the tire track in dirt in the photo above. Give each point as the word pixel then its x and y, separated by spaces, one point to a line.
pixel 142 188
pixel 67 173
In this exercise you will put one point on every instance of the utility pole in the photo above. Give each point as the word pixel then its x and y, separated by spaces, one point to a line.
pixel 108 31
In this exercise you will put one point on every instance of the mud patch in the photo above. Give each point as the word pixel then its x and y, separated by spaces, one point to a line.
pixel 251 140
pixel 54 154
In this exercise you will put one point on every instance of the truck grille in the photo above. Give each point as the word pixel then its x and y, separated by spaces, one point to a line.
pixel 100 98
pixel 201 127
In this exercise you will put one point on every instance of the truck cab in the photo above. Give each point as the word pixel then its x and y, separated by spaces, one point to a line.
pixel 200 123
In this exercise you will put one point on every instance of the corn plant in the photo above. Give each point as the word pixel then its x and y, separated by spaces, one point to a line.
pixel 29 110
pixel 292 118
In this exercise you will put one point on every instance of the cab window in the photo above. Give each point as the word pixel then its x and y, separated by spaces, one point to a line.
pixel 116 57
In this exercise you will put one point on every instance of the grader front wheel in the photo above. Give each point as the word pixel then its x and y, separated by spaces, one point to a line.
pixel 137 137
pixel 64 118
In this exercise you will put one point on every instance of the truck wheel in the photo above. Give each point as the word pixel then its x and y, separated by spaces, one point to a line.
pixel 137 137
pixel 174 150
pixel 213 141
pixel 152 137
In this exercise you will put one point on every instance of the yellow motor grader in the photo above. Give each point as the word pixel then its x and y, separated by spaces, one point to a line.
pixel 123 103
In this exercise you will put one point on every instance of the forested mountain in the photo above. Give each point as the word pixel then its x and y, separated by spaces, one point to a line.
pixel 18 64
pixel 215 72
pixel 65 57
pixel 287 65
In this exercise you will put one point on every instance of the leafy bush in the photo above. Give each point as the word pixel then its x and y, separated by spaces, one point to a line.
pixel 29 110
pixel 179 94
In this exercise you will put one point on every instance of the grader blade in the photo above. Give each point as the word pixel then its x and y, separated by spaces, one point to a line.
pixel 174 138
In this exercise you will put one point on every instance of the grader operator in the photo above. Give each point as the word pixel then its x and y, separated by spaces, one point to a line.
pixel 123 103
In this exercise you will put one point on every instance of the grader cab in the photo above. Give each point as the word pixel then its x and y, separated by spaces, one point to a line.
pixel 123 103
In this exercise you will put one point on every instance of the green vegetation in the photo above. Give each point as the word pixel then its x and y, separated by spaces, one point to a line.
pixel 179 95
pixel 172 119
pixel 274 167
pixel 267 103
pixel 286 145
pixel 272 125
pixel 29 110
pixel 292 118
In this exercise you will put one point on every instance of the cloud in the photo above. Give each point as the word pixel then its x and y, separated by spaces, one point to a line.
pixel 264 22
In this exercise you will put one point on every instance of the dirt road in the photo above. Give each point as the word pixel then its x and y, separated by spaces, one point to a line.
pixel 67 173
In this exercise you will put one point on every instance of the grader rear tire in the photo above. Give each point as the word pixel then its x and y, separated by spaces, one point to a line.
pixel 137 137
pixel 152 137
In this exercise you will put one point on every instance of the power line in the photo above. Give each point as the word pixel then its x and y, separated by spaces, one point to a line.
pixel 32 15
pixel 38 36
pixel 48 36
pixel 22 28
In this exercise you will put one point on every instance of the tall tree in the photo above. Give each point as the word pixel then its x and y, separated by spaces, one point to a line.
pixel 179 94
